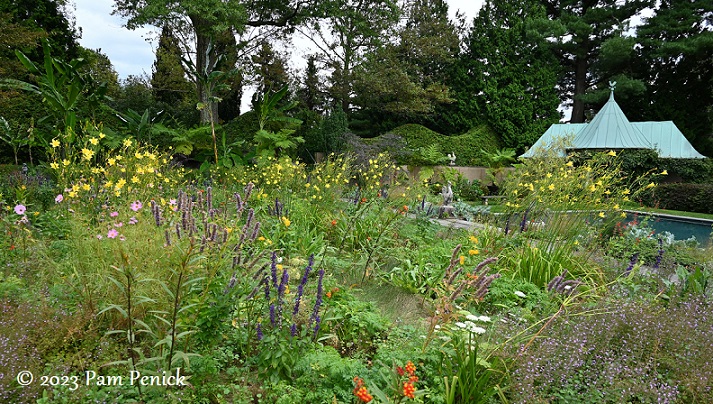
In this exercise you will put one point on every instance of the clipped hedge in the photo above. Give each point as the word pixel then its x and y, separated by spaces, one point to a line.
pixel 682 196
pixel 467 146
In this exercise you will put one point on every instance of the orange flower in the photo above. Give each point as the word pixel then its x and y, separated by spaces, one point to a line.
pixel 360 390
pixel 409 390
pixel 334 222
pixel 363 394
pixel 410 368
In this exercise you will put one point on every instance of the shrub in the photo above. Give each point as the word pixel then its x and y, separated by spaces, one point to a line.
pixel 679 196
pixel 468 147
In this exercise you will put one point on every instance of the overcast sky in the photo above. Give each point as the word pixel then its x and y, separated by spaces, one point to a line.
pixel 132 54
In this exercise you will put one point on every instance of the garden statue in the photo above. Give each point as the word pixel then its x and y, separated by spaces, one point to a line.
pixel 447 194
pixel 452 158
pixel 446 210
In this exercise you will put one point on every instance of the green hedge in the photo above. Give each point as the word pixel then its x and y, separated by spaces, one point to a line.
pixel 467 146
pixel 682 196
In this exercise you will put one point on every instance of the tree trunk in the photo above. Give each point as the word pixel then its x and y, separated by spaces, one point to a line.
pixel 580 87
pixel 204 59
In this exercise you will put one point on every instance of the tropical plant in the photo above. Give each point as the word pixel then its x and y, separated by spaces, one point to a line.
pixel 270 112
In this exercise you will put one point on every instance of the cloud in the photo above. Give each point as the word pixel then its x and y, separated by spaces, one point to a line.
pixel 128 51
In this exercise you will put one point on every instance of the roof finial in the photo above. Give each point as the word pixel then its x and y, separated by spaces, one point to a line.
pixel 612 86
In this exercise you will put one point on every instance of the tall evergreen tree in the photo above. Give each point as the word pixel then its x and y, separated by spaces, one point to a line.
pixel 311 92
pixel 581 28
pixel 168 80
pixel 677 44
pixel 512 74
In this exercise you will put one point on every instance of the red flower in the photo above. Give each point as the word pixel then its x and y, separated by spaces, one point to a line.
pixel 400 370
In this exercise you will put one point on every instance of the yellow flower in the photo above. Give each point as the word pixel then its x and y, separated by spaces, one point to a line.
pixel 86 187
pixel 612 153
pixel 72 194
pixel 664 172
pixel 462 259
pixel 87 154
pixel 54 143
pixel 570 164
pixel 279 267
pixel 111 161
pixel 549 175
pixel 551 187
pixel 134 179
pixel 138 155
pixel 127 142
pixel 592 188
pixel 54 166
pixel 651 185
pixel 102 136
pixel 616 206
pixel 94 141
pixel 473 239
pixel 65 162
pixel 286 221
pixel 623 214
pixel 261 238
pixel 601 214
pixel 473 252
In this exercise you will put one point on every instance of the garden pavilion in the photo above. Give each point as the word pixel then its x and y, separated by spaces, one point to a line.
pixel 611 130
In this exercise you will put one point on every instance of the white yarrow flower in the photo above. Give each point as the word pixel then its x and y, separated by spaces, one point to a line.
pixel 520 294
pixel 472 317
pixel 477 330
pixel 484 319
pixel 460 324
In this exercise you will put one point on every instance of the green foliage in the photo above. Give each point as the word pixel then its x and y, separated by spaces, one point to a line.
pixel 322 374
pixel 681 196
pixel 467 147
pixel 353 326
pixel 271 112
pixel 63 87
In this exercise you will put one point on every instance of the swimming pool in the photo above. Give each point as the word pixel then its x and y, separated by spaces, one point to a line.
pixel 681 227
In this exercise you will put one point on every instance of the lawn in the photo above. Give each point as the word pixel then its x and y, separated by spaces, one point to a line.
pixel 127 280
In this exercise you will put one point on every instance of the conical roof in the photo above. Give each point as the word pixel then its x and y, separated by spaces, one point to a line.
pixel 610 129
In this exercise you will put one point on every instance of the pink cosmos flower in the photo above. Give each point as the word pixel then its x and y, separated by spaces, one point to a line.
pixel 20 209
pixel 114 214
pixel 133 220
pixel 112 233
pixel 59 198
pixel 136 205
pixel 99 237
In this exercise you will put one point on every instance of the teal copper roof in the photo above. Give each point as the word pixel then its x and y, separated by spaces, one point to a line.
pixel 610 129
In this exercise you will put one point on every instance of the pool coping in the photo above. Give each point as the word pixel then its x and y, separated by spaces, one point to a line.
pixel 673 217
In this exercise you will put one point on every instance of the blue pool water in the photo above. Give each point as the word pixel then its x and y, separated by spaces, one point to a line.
pixel 681 227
